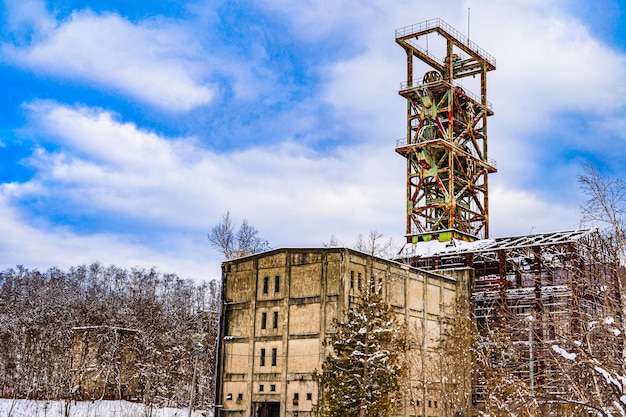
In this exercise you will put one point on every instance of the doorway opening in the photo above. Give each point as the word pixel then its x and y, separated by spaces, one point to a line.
pixel 267 409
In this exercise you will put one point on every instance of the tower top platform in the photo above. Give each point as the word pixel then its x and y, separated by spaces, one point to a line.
pixel 407 36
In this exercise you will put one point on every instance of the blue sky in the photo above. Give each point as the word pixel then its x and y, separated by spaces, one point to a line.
pixel 127 128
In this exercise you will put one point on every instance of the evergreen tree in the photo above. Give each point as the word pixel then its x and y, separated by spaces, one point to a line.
pixel 362 374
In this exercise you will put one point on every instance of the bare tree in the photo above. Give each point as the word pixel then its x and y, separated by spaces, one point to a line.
pixel 222 236
pixel 591 353
pixel 332 242
pixel 568 356
pixel 248 240
pixel 235 244
pixel 375 244
pixel 606 203
pixel 557 351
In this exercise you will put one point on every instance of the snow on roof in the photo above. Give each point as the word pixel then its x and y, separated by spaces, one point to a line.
pixel 457 247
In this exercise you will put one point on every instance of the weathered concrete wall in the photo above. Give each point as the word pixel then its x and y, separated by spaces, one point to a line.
pixel 281 305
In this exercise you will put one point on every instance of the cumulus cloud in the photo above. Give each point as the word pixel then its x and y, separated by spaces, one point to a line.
pixel 516 211
pixel 153 61
pixel 29 18
pixel 115 166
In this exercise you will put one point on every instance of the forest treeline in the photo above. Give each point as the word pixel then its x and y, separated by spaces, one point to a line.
pixel 39 310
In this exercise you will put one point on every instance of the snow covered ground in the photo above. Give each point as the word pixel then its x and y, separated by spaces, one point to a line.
pixel 31 408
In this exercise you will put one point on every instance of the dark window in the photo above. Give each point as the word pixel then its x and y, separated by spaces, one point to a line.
pixel 309 396
pixel 272 387
pixel 351 279
pixel 276 283
pixel 380 285
pixel 262 357
pixel 274 351
pixel 266 284
pixel 239 397
pixel 275 319
pixel 261 388
pixel 263 320
pixel 430 403
pixel 359 282
pixel 296 396
pixel 435 404
pixel 372 284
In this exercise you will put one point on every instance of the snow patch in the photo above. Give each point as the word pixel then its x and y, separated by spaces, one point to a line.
pixel 101 408
pixel 564 353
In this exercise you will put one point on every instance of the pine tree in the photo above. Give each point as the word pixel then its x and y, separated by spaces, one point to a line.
pixel 362 374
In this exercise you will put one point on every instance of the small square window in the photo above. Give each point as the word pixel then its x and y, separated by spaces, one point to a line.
pixel 261 388
pixel 309 396
pixel 296 396
pixel 239 397
pixel 272 387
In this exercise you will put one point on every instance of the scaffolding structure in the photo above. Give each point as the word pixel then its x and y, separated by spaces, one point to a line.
pixel 446 135
pixel 534 289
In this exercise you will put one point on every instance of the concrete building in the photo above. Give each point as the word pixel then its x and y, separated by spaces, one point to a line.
pixel 279 307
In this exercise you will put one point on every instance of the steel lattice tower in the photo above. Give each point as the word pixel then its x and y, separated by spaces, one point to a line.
pixel 446 138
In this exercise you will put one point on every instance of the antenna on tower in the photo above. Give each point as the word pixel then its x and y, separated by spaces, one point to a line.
pixel 468 22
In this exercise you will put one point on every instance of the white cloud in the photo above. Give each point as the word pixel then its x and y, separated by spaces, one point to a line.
pixel 40 245
pixel 29 16
pixel 118 168
pixel 516 212
pixel 153 62
pixel 547 64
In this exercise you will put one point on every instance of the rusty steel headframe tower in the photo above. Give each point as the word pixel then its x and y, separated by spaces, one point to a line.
pixel 446 136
